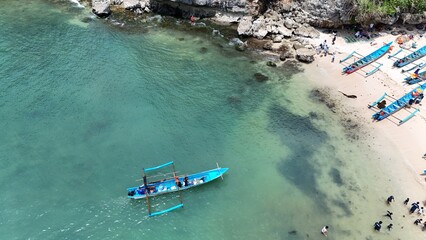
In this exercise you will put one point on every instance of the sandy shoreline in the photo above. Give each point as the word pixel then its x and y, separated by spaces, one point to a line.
pixel 400 147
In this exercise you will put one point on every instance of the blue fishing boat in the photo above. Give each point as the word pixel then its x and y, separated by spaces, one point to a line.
pixel 367 59
pixel 414 96
pixel 171 184
pixel 416 78
pixel 410 57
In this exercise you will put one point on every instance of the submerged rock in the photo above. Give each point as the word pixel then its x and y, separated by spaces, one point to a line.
pixel 203 50
pixel 260 77
pixel 271 64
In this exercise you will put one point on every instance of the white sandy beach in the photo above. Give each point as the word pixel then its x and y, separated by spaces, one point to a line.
pixel 401 147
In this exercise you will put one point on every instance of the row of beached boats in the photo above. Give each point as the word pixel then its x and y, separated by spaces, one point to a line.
pixel 413 97
pixel 372 57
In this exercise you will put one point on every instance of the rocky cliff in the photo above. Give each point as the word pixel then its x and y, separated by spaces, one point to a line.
pixel 281 26
pixel 319 13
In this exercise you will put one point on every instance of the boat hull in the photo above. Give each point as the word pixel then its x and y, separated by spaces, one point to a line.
pixel 367 59
pixel 416 79
pixel 410 58
pixel 169 185
pixel 399 104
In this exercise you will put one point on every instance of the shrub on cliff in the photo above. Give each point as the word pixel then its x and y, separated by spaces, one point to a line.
pixel 390 6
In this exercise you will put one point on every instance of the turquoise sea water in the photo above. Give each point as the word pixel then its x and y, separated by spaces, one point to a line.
pixel 84 106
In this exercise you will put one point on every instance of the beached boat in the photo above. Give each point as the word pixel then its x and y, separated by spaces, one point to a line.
pixel 410 57
pixel 413 78
pixel 172 184
pixel 409 98
pixel 367 59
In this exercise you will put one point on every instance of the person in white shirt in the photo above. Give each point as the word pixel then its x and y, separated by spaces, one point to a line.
pixel 324 231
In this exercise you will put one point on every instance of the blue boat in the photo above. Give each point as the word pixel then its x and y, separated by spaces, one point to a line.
pixel 173 184
pixel 416 94
pixel 367 59
pixel 410 58
pixel 412 79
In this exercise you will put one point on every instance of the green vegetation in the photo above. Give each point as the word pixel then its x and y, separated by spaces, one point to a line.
pixel 390 6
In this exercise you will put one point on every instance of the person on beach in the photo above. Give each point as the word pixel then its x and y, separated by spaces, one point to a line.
pixel 418 221
pixel 420 212
pixel 389 214
pixel 358 34
pixel 390 226
pixel 324 231
pixel 406 201
pixel 390 199
pixel 333 57
pixel 378 225
pixel 414 207
pixel 334 38
pixel 325 50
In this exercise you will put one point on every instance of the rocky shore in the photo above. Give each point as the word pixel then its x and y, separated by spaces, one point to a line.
pixel 285 28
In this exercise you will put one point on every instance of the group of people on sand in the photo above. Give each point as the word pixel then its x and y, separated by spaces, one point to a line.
pixel 323 48
pixel 415 207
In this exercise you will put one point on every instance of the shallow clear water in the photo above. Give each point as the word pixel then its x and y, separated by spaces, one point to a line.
pixel 85 106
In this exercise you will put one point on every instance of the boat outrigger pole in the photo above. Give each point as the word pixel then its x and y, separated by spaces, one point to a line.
pixel 145 184
pixel 218 168
pixel 180 196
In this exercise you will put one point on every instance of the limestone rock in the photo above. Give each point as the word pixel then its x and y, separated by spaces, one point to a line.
pixel 285 31
pixel 116 2
pixel 245 25
pixel 268 45
pixel 101 8
pixel 298 45
pixel 409 18
pixel 131 4
pixel 305 55
pixel 277 39
pixel 238 44
pixel 290 23
pixel 226 17
pixel 286 55
pixel 260 28
pixel 307 32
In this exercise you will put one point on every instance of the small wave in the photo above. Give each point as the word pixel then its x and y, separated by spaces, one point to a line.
pixel 77 4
